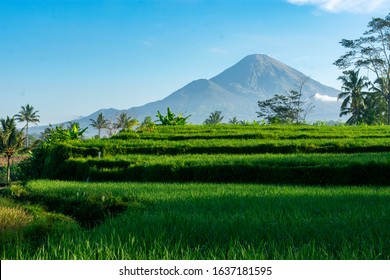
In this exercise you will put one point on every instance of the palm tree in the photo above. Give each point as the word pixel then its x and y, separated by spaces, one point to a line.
pixel 28 115
pixel 11 140
pixel 234 120
pixel 125 122
pixel 214 118
pixel 353 95
pixel 375 101
pixel 99 123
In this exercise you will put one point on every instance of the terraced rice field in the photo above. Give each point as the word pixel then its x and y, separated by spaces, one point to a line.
pixel 209 192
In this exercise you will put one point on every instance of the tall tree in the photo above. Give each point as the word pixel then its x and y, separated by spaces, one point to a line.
pixel 214 118
pixel 100 123
pixel 289 108
pixel 353 96
pixel 28 115
pixel 376 107
pixel 125 122
pixel 299 105
pixel 111 128
pixel 11 140
pixel 371 51
pixel 234 120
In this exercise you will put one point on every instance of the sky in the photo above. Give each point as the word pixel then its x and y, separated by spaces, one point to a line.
pixel 71 58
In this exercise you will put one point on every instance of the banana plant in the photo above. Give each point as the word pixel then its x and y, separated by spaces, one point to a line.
pixel 171 118
pixel 74 132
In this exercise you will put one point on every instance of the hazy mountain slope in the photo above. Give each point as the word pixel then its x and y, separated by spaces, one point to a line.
pixel 198 99
pixel 109 114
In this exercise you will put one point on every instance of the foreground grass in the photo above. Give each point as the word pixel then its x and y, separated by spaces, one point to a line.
pixel 29 226
pixel 220 221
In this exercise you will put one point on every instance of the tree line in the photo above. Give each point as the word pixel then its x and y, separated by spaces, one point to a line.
pixel 364 101
pixel 367 101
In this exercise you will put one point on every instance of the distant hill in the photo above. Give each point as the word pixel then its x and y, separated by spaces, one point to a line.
pixel 235 92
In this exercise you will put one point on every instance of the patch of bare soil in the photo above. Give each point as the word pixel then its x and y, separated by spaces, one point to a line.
pixel 15 159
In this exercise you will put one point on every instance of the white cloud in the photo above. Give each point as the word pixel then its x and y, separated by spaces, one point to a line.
pixel 336 6
pixel 325 98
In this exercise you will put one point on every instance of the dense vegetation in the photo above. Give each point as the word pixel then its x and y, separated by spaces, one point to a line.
pixel 365 101
pixel 227 153
pixel 199 192
pixel 214 221
pixel 237 191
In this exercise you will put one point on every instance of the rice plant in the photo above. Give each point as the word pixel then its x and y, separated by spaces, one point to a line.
pixel 226 221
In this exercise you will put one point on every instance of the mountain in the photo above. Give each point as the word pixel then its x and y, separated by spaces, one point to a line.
pixel 262 77
pixel 236 92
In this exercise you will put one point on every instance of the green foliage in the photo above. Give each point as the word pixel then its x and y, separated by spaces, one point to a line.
pixel 353 97
pixel 53 134
pixel 234 120
pixel 16 172
pixel 285 109
pixel 30 224
pixel 169 153
pixel 171 119
pixel 375 104
pixel 125 122
pixel 222 221
pixel 372 52
pixel 212 144
pixel 54 148
pixel 100 123
pixel 318 169
pixel 28 115
pixel 74 132
pixel 147 125
pixel 214 118
pixel 86 207
pixel 11 140
pixel 53 157
pixel 59 133
pixel 10 137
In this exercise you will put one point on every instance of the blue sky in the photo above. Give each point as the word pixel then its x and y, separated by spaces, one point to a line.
pixel 70 58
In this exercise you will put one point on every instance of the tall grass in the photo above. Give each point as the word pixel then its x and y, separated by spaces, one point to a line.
pixel 325 169
pixel 259 132
pixel 175 218
pixel 29 225
pixel 226 221
pixel 12 217
pixel 176 154
pixel 232 146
